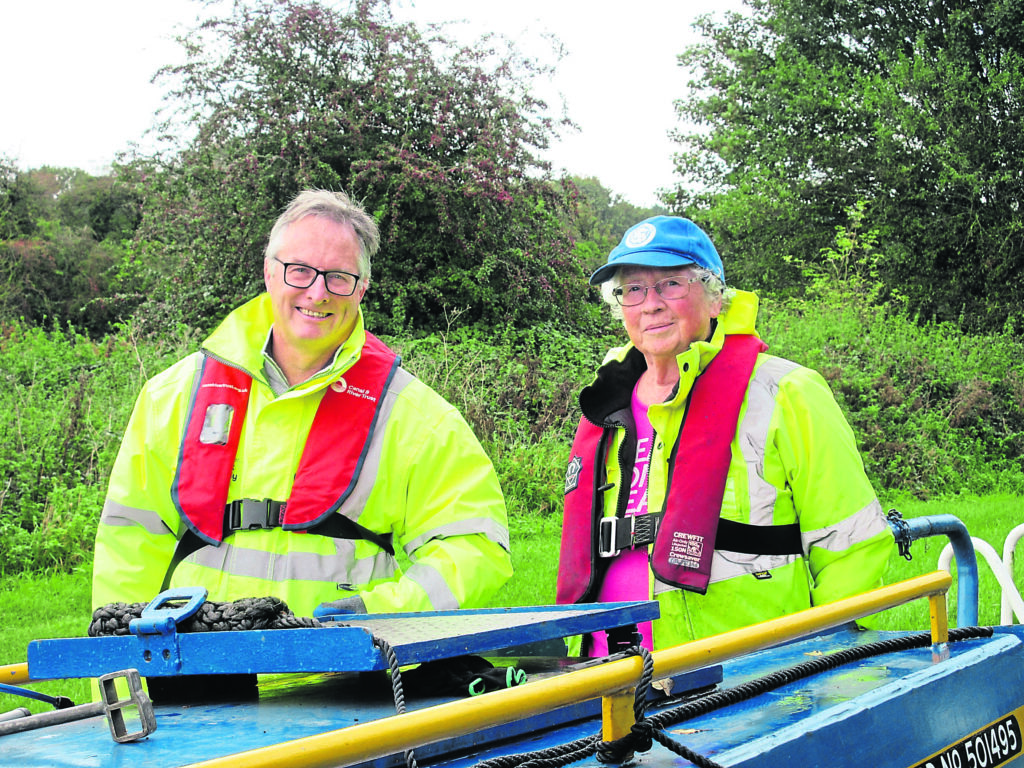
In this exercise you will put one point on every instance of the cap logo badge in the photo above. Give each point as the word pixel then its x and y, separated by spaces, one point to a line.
pixel 640 235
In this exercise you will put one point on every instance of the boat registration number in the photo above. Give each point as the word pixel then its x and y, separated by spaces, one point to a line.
pixel 995 744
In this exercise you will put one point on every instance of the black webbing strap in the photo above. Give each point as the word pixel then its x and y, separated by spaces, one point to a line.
pixel 759 539
pixel 338 526
pixel 619 533
pixel 252 514
pixel 186 545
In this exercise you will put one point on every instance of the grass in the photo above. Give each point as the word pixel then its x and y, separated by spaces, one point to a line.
pixel 57 605
pixel 43 606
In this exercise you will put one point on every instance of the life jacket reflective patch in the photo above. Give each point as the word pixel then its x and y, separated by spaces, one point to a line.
pixel 684 543
pixel 332 458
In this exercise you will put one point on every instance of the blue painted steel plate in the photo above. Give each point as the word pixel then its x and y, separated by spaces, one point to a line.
pixel 335 647
pixel 888 711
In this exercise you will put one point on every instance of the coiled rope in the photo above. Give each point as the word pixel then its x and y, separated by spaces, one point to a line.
pixel 247 613
pixel 647 730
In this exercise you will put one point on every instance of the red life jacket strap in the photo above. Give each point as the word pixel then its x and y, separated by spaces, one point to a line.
pixel 699 466
pixel 207 454
pixel 340 437
pixel 576 572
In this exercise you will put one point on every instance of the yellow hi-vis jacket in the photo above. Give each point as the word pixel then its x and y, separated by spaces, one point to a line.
pixel 434 491
pixel 794 460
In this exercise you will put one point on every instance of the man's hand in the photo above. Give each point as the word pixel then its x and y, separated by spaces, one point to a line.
pixel 346 605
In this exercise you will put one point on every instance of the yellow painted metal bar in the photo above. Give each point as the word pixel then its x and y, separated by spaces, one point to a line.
pixel 367 741
pixel 12 674
pixel 939 619
pixel 617 714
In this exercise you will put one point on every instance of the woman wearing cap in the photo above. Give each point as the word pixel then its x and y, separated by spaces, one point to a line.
pixel 719 479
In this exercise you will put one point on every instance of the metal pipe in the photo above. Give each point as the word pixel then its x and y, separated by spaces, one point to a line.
pixel 368 741
pixel 1011 596
pixel 963 550
pixel 14 714
pixel 1009 547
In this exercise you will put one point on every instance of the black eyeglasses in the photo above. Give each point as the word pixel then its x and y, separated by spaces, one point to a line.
pixel 631 294
pixel 338 282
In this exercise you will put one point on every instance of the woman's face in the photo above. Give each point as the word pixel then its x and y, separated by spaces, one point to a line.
pixel 663 328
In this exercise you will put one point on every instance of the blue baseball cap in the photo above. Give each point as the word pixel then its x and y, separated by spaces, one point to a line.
pixel 662 241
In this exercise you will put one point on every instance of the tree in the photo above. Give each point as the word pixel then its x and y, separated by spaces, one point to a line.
pixel 804 108
pixel 603 216
pixel 440 142
pixel 22 201
pixel 54 269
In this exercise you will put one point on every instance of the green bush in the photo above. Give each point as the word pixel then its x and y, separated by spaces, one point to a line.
pixel 935 414
pixel 64 403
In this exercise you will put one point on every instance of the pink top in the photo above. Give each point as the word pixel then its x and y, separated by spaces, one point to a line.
pixel 628 576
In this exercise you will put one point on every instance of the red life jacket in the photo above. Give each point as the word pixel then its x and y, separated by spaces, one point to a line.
pixel 331 460
pixel 703 450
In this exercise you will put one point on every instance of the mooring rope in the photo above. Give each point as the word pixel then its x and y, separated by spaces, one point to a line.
pixel 247 613
pixel 647 730
pixel 244 614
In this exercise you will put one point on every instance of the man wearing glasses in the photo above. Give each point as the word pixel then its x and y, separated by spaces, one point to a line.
pixel 706 473
pixel 293 456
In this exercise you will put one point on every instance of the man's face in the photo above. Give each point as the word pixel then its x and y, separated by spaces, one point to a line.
pixel 311 323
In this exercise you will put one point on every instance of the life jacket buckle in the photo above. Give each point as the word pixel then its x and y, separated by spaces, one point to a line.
pixel 613 538
pixel 606 543
pixel 254 514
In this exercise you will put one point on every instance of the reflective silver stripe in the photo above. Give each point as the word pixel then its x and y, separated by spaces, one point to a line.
pixel 338 567
pixel 441 596
pixel 119 514
pixel 356 501
pixel 489 528
pixel 752 434
pixel 729 565
pixel 858 527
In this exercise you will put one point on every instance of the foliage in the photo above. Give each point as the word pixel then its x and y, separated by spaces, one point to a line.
pixel 935 412
pixel 64 403
pixel 439 142
pixel 60 235
pixel 61 275
pixel 603 217
pixel 804 108
pixel 21 201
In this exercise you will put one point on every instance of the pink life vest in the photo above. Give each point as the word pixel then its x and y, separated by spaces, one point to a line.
pixel 692 509
pixel 331 460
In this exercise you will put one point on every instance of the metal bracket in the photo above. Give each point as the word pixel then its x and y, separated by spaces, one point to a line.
pixel 114 706
pixel 157 627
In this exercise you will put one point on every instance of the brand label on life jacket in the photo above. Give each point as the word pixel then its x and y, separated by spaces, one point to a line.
pixel 686 549
pixel 572 474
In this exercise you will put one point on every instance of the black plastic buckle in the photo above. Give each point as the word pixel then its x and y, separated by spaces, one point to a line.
pixel 254 514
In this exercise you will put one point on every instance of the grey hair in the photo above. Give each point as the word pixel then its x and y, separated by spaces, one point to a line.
pixel 713 287
pixel 337 207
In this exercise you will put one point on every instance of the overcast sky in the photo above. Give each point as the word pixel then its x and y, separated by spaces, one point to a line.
pixel 76 77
